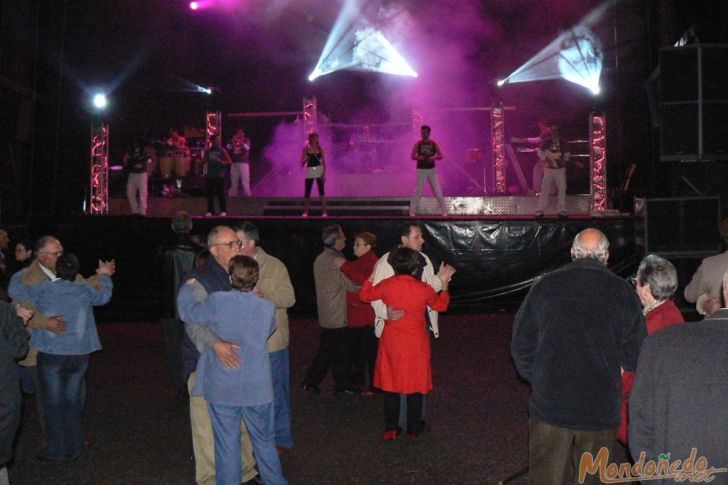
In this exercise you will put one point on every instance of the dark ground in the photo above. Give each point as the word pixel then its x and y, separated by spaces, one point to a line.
pixel 139 432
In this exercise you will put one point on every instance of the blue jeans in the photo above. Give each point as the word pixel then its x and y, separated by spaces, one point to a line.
pixel 259 420
pixel 62 377
pixel 280 367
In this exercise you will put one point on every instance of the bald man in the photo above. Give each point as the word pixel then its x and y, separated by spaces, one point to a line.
pixel 578 326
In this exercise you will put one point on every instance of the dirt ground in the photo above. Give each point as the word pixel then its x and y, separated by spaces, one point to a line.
pixel 138 430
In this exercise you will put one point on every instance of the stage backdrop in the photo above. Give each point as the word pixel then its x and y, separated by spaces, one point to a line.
pixel 496 260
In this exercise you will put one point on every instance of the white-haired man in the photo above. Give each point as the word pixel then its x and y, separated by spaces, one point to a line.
pixel 577 327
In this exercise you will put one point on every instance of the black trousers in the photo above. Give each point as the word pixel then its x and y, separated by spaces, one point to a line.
pixel 334 350
pixel 214 187
pixel 363 355
pixel 309 186
pixel 414 412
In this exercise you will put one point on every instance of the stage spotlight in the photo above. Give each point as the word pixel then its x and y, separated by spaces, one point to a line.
pixel 576 56
pixel 194 5
pixel 354 44
pixel 202 89
pixel 99 101
pixel 501 82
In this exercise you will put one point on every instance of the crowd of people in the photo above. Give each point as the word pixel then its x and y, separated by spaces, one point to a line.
pixel 605 360
pixel 610 361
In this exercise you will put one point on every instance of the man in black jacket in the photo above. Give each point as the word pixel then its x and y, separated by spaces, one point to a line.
pixel 178 259
pixel 13 347
pixel 574 331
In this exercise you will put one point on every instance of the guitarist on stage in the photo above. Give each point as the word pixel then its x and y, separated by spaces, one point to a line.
pixel 553 155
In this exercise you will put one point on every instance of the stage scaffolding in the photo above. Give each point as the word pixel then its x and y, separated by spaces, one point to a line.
pixel 99 176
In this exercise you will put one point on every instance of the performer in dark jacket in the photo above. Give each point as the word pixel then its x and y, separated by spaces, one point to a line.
pixel 13 347
pixel 178 258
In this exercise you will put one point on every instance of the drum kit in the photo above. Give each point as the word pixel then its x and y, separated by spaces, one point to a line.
pixel 173 166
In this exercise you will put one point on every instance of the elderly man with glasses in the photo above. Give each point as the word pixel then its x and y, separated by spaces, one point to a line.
pixel 212 276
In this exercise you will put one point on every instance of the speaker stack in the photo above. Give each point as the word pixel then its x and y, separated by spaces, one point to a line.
pixel 694 103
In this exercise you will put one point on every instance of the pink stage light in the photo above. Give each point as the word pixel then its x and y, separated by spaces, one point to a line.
pixel 194 5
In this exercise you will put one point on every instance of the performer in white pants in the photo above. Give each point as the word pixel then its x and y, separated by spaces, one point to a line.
pixel 553 154
pixel 239 149
pixel 425 152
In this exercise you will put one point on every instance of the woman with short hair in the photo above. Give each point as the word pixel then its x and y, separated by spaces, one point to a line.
pixel 655 283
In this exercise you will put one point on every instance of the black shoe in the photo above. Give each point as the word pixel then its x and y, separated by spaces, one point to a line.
pixel 46 459
pixel 310 388
pixel 256 480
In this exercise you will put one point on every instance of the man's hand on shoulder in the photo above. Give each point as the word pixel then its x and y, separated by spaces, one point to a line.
pixel 106 267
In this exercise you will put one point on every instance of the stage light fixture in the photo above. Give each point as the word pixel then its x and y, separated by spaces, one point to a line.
pixel 501 83
pixel 194 5
pixel 100 101
pixel 576 56
pixel 354 44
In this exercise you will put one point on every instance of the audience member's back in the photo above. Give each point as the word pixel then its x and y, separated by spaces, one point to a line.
pixel 73 301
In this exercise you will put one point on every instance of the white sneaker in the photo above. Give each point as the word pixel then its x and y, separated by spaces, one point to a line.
pixel 223 214
pixel 209 214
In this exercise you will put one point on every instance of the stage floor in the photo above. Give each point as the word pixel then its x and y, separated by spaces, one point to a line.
pixel 498 207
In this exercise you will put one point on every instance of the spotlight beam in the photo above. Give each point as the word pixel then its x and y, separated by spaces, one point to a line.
pixel 355 44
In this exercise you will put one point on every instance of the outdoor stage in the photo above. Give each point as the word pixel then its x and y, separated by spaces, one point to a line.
pixel 458 207
pixel 497 254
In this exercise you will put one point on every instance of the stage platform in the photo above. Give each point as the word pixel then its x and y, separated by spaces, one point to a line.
pixel 497 257
pixel 468 207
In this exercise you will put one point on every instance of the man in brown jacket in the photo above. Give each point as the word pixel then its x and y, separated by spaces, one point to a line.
pixel 331 288
pixel 274 284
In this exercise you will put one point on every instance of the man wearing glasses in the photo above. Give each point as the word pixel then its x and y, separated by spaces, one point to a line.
pixel 212 276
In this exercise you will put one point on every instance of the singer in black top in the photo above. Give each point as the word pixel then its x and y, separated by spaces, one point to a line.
pixel 426 151
pixel 314 160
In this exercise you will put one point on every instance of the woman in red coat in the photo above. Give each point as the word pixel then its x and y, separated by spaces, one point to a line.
pixel 403 360
pixel 360 315
pixel 655 283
